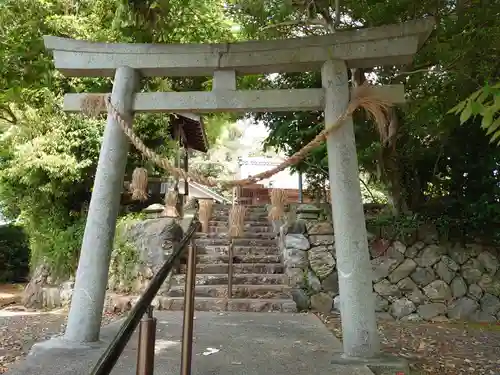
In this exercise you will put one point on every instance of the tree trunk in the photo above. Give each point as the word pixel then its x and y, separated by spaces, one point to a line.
pixel 391 168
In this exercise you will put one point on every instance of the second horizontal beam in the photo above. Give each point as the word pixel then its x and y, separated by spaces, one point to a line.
pixel 233 101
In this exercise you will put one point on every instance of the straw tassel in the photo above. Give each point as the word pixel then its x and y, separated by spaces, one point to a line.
pixel 139 185
pixel 205 213
pixel 278 202
pixel 237 220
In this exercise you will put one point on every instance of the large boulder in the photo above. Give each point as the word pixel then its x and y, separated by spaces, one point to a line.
pixel 141 248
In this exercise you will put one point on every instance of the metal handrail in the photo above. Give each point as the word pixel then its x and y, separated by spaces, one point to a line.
pixel 108 360
pixel 230 269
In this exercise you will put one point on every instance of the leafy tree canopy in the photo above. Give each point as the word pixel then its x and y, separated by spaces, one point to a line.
pixel 436 164
pixel 48 158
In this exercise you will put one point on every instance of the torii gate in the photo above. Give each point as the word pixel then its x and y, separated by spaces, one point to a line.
pixel 333 54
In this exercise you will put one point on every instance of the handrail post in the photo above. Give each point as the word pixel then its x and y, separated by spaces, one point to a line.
pixel 108 359
pixel 230 270
pixel 146 345
pixel 188 323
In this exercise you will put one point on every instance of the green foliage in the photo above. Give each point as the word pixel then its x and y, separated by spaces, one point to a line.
pixel 436 166
pixel 56 242
pixel 14 254
pixel 48 158
pixel 125 258
pixel 485 102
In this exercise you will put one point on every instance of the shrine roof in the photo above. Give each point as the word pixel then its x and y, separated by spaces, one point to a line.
pixel 194 130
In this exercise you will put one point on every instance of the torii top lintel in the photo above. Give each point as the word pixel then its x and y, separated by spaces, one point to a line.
pixel 361 48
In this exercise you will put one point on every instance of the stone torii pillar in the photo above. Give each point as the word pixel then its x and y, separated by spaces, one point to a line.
pixel 357 302
pixel 87 303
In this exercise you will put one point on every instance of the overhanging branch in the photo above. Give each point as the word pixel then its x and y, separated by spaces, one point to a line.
pixel 11 116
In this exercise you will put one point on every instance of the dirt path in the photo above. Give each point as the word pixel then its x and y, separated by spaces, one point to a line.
pixel 439 348
pixel 10 294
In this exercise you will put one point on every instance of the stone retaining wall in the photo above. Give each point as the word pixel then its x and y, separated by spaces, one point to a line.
pixel 417 280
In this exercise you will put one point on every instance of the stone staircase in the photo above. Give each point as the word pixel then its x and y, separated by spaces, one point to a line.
pixel 259 282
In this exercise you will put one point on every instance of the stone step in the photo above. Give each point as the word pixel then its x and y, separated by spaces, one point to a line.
pixel 123 303
pixel 279 291
pixel 250 209
pixel 225 223
pixel 224 241
pixel 262 268
pixel 249 220
pixel 252 216
pixel 240 258
pixel 239 279
pixel 247 229
pixel 246 234
pixel 238 250
pixel 228 206
pixel 233 304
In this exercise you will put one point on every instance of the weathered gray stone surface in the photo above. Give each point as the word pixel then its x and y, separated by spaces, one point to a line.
pixel 490 304
pixel 430 255
pixel 444 272
pixel 381 304
pixel 475 291
pixel 386 289
pixel 295 258
pixel 463 308
pixel 313 281
pixel 472 271
pixel 296 241
pixel 458 254
pixel 489 262
pixel 403 270
pixel 321 239
pixel 407 285
pixel 458 287
pixel 438 291
pixel 402 307
pixel 296 227
pixel 152 241
pixel 382 266
pixel 412 281
pixel 243 343
pixel 423 276
pixel 452 265
pixel 331 283
pixel 301 299
pixel 322 302
pixel 321 261
pixel 431 310
pixel 413 250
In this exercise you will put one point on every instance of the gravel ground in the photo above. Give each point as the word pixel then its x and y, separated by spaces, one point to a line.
pixel 20 330
pixel 438 348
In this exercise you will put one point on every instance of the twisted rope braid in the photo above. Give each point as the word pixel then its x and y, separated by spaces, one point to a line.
pixel 363 97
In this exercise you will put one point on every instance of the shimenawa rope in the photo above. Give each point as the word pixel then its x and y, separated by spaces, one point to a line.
pixel 362 97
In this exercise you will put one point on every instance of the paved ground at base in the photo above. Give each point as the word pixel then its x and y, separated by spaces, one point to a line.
pixel 225 343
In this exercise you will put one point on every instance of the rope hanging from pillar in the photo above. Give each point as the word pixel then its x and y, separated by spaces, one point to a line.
pixel 376 106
